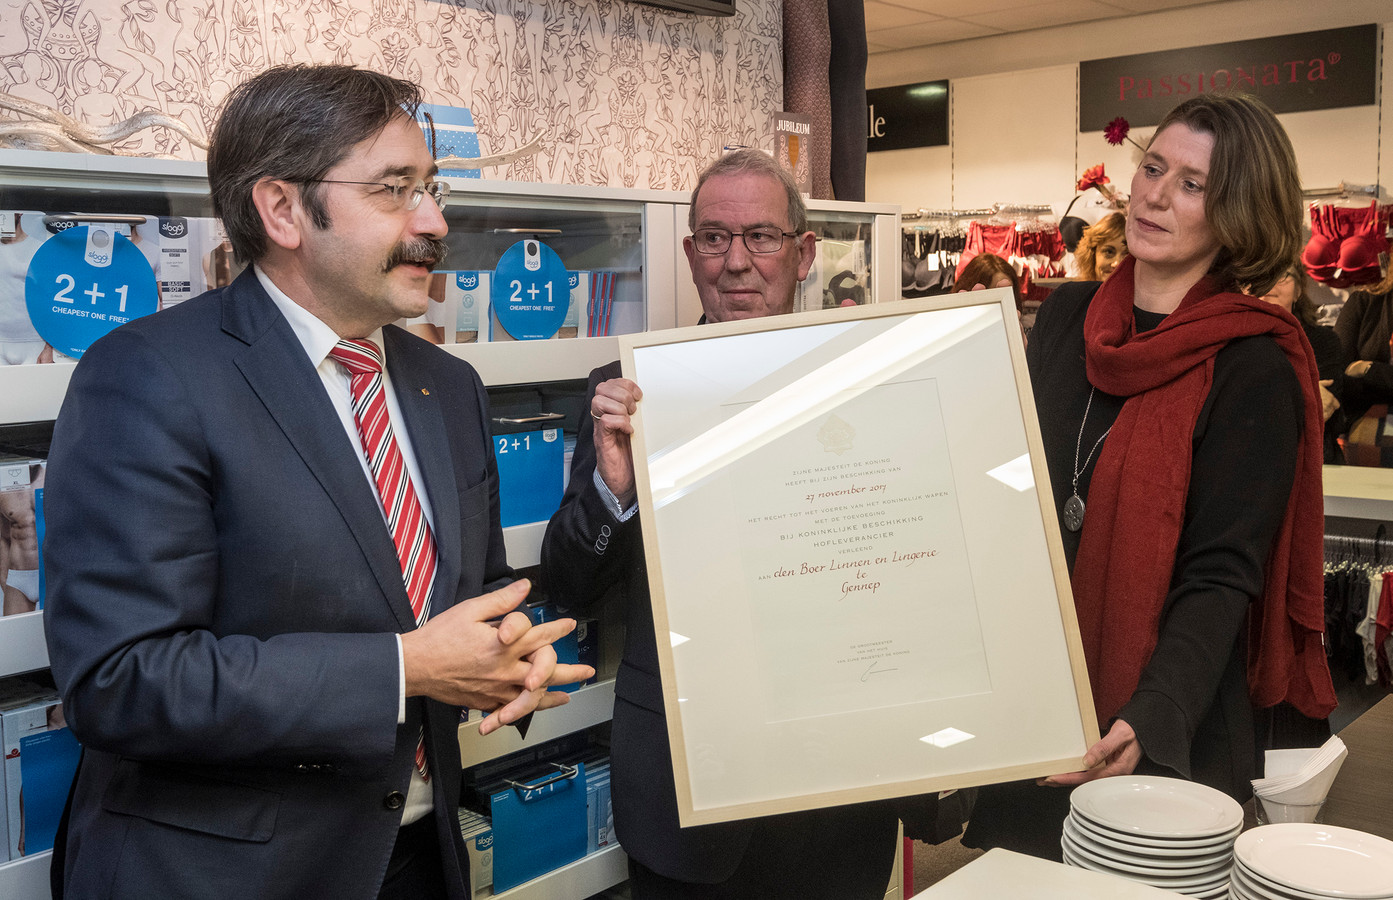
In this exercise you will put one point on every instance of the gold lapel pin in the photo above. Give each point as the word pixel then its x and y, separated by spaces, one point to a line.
pixel 425 392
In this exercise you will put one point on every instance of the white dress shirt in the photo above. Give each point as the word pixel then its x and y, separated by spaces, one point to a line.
pixel 318 339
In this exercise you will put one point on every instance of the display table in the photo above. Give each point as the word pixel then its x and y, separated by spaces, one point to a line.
pixel 1004 873
pixel 1362 795
pixel 1361 798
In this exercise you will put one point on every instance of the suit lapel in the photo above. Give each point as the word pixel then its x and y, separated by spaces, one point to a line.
pixel 418 398
pixel 278 371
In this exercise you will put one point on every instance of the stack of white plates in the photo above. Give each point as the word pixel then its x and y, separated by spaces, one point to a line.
pixel 1165 832
pixel 1296 861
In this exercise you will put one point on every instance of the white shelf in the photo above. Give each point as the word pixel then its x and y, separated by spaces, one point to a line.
pixel 27 876
pixel 587 875
pixel 97 172
pixel 1359 492
pixel 589 706
pixel 22 646
pixel 33 393
pixel 524 543
pixel 523 362
pixel 43 168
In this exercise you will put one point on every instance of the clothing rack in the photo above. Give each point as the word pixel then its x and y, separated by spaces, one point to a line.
pixel 1024 208
pixel 1375 547
pixel 947 214
pixel 1344 190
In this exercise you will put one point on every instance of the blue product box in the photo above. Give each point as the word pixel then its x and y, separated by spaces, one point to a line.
pixel 40 760
pixel 531 470
pixel 567 647
pixel 468 293
pixel 477 831
pixel 40 527
pixel 587 636
pixel 598 811
pixel 538 826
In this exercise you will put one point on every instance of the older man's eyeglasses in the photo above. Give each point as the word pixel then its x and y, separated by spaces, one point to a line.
pixel 716 241
pixel 405 191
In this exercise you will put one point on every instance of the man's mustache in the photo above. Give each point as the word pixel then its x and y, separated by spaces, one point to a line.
pixel 429 252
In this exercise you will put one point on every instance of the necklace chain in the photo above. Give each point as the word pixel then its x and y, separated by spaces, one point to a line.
pixel 1078 444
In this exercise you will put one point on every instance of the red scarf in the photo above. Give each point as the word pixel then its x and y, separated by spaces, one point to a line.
pixel 1128 546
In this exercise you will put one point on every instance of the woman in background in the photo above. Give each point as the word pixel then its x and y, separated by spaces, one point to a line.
pixel 1182 429
pixel 1290 294
pixel 1365 327
pixel 990 271
pixel 1101 248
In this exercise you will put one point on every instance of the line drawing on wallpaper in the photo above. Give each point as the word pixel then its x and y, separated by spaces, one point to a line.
pixel 624 95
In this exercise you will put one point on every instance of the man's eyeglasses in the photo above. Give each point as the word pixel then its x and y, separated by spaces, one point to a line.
pixel 406 191
pixel 716 241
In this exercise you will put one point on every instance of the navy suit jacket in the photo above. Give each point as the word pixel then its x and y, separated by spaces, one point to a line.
pixel 223 596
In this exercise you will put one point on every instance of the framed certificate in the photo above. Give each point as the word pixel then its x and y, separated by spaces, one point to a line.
pixel 857 578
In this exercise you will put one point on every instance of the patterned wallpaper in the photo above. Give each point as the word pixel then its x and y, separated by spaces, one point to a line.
pixel 623 95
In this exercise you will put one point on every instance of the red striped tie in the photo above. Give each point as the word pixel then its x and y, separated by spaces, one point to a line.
pixel 410 530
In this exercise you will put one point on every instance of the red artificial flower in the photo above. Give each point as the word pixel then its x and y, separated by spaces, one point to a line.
pixel 1116 131
pixel 1092 177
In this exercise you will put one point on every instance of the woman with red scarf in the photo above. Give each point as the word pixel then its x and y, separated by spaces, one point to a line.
pixel 1182 428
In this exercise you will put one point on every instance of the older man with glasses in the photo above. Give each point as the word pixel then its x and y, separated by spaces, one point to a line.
pixel 273 545
pixel 750 247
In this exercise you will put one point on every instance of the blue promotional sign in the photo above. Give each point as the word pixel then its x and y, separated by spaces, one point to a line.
pixel 85 281
pixel 531 291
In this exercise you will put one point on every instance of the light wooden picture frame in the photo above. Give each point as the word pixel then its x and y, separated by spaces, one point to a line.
pixel 857 577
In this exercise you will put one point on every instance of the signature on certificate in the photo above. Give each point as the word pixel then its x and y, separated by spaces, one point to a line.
pixel 875 669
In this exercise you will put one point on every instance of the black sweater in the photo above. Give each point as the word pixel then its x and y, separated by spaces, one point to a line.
pixel 1190 711
pixel 1365 327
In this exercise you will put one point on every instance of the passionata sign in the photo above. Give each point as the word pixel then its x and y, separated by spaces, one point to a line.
pixel 1290 73
pixel 907 115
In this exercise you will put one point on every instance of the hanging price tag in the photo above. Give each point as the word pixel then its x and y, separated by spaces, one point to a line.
pixel 530 291
pixel 85 281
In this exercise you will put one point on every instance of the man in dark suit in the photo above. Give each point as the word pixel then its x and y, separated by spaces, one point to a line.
pixel 264 658
pixel 749 248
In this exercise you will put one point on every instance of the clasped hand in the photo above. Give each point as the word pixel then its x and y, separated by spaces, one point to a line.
pixel 462 657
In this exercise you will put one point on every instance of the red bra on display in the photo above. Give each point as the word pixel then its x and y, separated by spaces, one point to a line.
pixel 1345 244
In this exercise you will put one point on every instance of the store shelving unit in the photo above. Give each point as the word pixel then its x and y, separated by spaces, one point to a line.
pixel 589 706
pixel 586 876
pixel 27 877
pixel 647 228
pixel 22 647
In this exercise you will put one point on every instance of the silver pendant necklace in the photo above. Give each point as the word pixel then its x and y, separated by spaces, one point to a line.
pixel 1073 507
